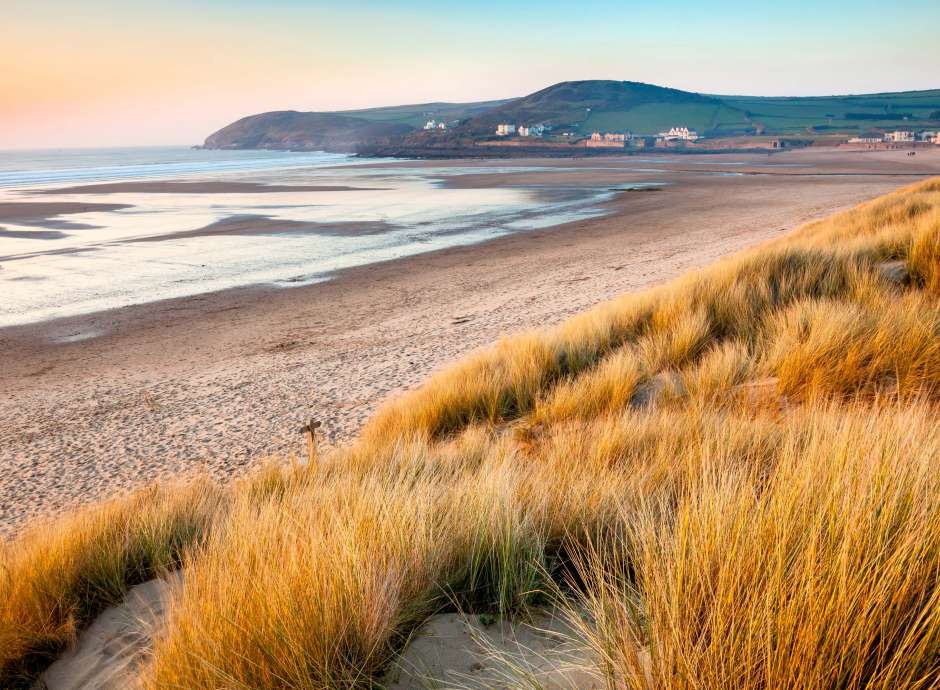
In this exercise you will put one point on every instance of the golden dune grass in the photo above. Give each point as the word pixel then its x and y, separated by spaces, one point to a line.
pixel 55 578
pixel 819 574
pixel 733 475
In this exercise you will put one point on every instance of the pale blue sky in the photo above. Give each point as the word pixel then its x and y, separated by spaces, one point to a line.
pixel 108 72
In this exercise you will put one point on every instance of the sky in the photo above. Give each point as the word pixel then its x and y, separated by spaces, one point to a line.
pixel 84 73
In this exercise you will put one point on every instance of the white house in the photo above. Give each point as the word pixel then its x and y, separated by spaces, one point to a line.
pixel 927 136
pixel 442 125
pixel 865 140
pixel 530 130
pixel 682 133
pixel 900 135
pixel 505 130
pixel 431 124
pixel 607 140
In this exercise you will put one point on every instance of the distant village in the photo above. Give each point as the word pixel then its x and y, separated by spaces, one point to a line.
pixel 897 137
pixel 681 135
pixel 599 139
pixel 509 134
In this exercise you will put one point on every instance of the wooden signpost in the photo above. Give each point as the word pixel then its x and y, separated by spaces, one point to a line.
pixel 310 430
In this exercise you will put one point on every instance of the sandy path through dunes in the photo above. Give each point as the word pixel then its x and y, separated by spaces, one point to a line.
pixel 94 405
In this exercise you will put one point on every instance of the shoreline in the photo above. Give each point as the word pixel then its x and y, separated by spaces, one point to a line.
pixel 94 405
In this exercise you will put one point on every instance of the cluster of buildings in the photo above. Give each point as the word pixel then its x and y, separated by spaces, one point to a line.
pixel 434 124
pixel 508 130
pixel 608 140
pixel 612 137
pixel 900 136
pixel 620 140
pixel 597 139
pixel 679 134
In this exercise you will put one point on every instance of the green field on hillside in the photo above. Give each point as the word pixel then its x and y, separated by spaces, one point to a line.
pixel 609 106
pixel 417 115
pixel 735 114
pixel 841 113
pixel 652 118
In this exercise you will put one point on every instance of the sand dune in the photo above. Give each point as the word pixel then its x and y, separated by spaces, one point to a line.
pixel 108 654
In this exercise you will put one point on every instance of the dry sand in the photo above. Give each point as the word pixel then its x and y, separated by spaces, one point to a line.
pixel 450 650
pixel 470 652
pixel 94 405
pixel 109 653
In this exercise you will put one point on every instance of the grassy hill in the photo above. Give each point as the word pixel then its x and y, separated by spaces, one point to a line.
pixel 582 107
pixel 794 116
pixel 650 119
pixel 589 106
pixel 572 105
pixel 728 481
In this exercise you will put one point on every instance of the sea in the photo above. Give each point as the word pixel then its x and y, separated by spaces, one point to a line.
pixel 65 250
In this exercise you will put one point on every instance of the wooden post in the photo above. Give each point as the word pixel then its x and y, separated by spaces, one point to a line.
pixel 310 430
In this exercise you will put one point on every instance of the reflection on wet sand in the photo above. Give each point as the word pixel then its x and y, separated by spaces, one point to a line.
pixel 165 238
pixel 33 234
pixel 250 224
pixel 47 214
pixel 198 187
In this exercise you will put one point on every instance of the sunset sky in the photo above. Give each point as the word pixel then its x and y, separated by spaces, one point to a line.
pixel 104 72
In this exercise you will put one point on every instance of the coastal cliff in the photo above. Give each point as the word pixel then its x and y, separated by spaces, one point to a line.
pixel 290 130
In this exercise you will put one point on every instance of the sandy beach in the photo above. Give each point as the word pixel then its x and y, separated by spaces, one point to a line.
pixel 96 404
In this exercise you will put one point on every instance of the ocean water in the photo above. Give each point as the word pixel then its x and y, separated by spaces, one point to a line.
pixel 70 251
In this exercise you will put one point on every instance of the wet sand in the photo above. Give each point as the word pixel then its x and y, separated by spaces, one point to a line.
pixel 46 214
pixel 33 234
pixel 96 404
pixel 197 187
pixel 265 225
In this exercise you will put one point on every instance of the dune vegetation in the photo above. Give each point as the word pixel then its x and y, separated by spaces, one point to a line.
pixel 731 480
